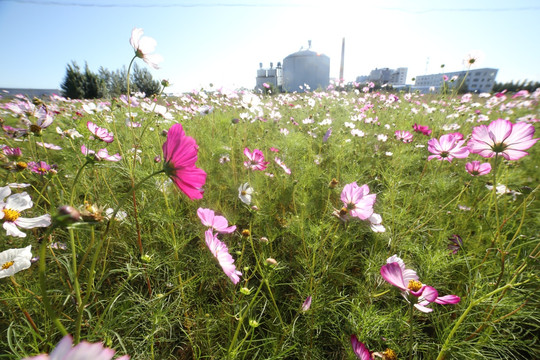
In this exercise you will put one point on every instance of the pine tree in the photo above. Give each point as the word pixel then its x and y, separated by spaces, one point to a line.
pixel 73 84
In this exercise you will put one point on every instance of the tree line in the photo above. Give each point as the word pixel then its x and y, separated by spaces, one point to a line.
pixel 79 84
pixel 512 86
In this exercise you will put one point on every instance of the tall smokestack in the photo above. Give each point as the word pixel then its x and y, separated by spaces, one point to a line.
pixel 342 60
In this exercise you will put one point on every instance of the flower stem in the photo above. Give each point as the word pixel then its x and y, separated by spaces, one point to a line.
pixel 79 172
pixel 411 332
pixel 76 286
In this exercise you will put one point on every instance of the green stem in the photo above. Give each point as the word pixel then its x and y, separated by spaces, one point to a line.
pixel 76 286
pixel 411 330
pixel 79 172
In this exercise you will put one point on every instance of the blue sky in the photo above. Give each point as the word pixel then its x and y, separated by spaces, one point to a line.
pixel 223 41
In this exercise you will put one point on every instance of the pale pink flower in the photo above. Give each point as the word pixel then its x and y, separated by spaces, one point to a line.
pixel 216 222
pixel 180 156
pixel 357 201
pixel 404 136
pixel 307 304
pixel 41 168
pixel 475 168
pixel 99 132
pixel 447 147
pixel 221 253
pixel 283 166
pixel 102 154
pixel 144 46
pixel 501 137
pixel 82 351
pixel 256 159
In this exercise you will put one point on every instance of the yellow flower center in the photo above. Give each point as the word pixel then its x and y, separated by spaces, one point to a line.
pixel 244 193
pixel 343 211
pixel 389 354
pixel 414 285
pixel 22 165
pixel 42 170
pixel 11 215
pixel 7 265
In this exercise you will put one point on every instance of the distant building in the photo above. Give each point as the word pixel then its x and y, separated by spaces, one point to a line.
pixel 385 76
pixel 270 76
pixel 476 80
pixel 306 67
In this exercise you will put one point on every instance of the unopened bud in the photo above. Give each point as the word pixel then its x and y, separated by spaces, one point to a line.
pixel 246 233
pixel 67 215
pixel 270 261
pixel 333 183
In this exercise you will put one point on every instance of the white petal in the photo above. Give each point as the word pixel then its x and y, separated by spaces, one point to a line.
pixel 40 221
pixel 19 202
pixel 4 192
pixel 13 230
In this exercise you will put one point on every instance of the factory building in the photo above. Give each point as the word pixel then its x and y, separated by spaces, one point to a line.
pixel 477 80
pixel 304 67
pixel 385 76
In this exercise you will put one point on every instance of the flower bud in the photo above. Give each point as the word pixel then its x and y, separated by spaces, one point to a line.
pixel 270 262
pixel 67 215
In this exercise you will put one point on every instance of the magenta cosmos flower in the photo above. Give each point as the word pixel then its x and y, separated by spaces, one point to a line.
pixel 180 156
pixel 502 137
pixel 99 132
pixel 476 168
pixel 395 273
pixel 221 253
pixel 447 147
pixel 41 168
pixel 256 159
pixel 82 351
pixel 216 222
pixel 144 46
pixel 424 129
pixel 362 352
pixel 403 135
pixel 357 201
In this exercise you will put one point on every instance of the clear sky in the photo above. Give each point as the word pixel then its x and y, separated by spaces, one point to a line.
pixel 223 41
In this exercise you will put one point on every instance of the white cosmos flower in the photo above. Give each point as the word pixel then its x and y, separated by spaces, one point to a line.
pixel 14 260
pixel 244 193
pixel 144 46
pixel 10 213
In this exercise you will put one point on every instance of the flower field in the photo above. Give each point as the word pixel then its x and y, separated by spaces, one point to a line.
pixel 222 224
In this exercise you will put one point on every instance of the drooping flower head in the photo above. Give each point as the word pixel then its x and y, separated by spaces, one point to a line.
pixel 99 132
pixel 360 350
pixel 11 207
pixel 456 243
pixel 255 159
pixel 357 201
pixel 82 351
pixel 447 147
pixel 221 253
pixel 216 222
pixel 476 168
pixel 180 155
pixel 306 304
pixel 144 46
pixel 502 137
pixel 14 260
pixel 102 154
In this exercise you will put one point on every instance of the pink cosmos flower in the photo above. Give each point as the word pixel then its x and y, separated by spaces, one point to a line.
pixel 424 129
pixel 395 273
pixel 357 201
pixel 360 350
pixel 447 147
pixel 12 153
pixel 256 159
pixel 41 168
pixel 144 46
pixel 216 222
pixel 82 351
pixel 102 154
pixel 501 137
pixel 307 304
pixel 475 168
pixel 221 253
pixel 404 136
pixel 180 156
pixel 11 206
pixel 101 133
pixel 283 166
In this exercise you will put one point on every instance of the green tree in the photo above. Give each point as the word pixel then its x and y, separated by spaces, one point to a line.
pixel 94 86
pixel 73 84
pixel 142 81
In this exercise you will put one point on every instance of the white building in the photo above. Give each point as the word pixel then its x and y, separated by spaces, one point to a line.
pixel 385 76
pixel 272 76
pixel 477 80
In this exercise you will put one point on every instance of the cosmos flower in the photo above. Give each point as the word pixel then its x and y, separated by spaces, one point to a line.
pixel 10 212
pixel 362 352
pixel 14 260
pixel 41 168
pixel 144 46
pixel 221 253
pixel 12 153
pixel 456 243
pixel 403 135
pixel 283 166
pixel 216 222
pixel 102 154
pixel 82 351
pixel 475 168
pixel 357 201
pixel 244 193
pixel 179 158
pixel 307 304
pixel 447 147
pixel 99 132
pixel 395 273
pixel 501 137
pixel 256 159
pixel 424 129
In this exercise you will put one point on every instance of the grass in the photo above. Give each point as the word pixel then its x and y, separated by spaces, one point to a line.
pixel 167 298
